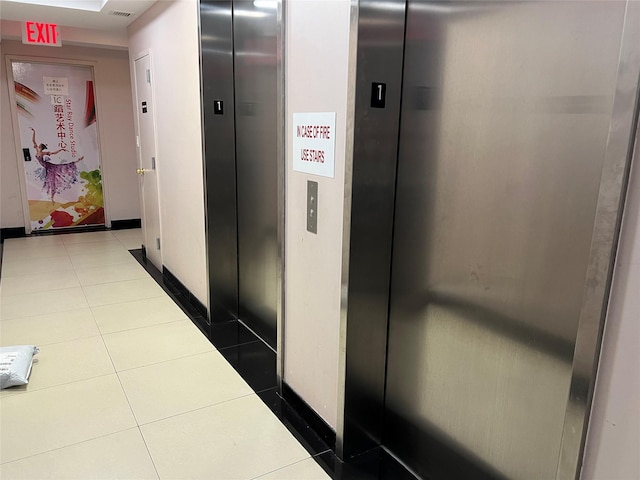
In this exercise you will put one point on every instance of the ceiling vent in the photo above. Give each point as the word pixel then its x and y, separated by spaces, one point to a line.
pixel 120 14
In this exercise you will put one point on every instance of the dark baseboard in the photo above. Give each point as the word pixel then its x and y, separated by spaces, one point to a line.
pixel 13 232
pixel 18 232
pixel 309 415
pixel 126 224
pixel 185 291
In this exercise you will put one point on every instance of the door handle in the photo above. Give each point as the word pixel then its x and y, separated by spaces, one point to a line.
pixel 140 171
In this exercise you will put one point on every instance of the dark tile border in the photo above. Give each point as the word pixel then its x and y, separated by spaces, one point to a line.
pixel 126 224
pixel 175 289
pixel 325 432
pixel 191 298
pixel 374 464
pixel 19 232
pixel 15 232
pixel 255 363
pixel 291 419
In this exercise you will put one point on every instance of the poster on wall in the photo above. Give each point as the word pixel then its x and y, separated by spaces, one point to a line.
pixel 59 143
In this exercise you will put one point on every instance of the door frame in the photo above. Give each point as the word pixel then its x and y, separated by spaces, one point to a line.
pixel 18 141
pixel 281 189
pixel 144 53
pixel 604 244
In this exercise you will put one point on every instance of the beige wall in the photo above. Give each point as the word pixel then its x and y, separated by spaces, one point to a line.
pixel 169 30
pixel 117 141
pixel 316 81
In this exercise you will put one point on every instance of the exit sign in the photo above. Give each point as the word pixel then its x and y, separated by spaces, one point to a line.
pixel 36 33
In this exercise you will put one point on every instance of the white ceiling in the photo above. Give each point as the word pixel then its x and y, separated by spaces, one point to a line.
pixel 93 14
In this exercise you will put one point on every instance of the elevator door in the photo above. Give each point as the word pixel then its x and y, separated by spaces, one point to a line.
pixel 505 114
pixel 239 77
pixel 255 28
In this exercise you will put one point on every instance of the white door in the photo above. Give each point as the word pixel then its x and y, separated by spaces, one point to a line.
pixel 147 170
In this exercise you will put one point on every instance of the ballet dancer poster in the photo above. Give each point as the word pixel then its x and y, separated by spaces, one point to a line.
pixel 59 142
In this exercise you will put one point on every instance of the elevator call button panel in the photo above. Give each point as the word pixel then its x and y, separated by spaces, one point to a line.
pixel 312 206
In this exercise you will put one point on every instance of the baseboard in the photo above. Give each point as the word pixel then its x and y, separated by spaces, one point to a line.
pixel 310 416
pixel 202 310
pixel 18 232
pixel 126 224
pixel 13 232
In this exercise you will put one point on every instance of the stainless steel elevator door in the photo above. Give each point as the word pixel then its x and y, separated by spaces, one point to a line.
pixel 216 25
pixel 505 114
pixel 255 27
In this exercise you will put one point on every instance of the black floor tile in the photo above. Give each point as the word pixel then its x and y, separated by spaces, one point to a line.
pixel 272 400
pixel 255 362
pixel 148 266
pixel 171 289
pixel 230 334
pixel 310 417
pixel 376 464
pixel 183 302
pixel 203 324
pixel 309 439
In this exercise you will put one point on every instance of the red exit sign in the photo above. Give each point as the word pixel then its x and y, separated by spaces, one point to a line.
pixel 36 33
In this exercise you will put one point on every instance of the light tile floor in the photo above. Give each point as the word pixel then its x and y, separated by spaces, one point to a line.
pixel 124 386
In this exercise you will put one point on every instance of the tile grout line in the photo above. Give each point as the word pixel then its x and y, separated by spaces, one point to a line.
pixel 101 335
pixel 144 440
pixel 36 390
pixel 31 293
pixel 41 314
pixel 162 361
pixel 124 392
pixel 281 468
pixel 66 446
pixel 135 328
pixel 32 314
pixel 133 413
pixel 61 341
pixel 138 425
pixel 256 392
pixel 222 402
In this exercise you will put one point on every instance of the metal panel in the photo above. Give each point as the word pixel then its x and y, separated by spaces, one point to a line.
pixel 505 121
pixel 615 172
pixel 255 37
pixel 368 240
pixel 343 412
pixel 216 28
pixel 281 172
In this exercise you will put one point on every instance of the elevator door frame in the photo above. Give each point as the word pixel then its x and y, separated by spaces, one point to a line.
pixel 359 425
pixel 220 167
